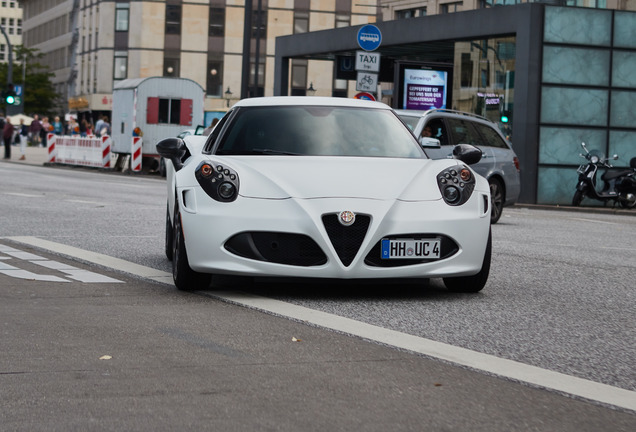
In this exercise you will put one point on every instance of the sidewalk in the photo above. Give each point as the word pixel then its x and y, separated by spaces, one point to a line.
pixel 33 155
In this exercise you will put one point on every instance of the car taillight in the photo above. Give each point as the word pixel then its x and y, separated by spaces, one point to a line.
pixel 219 182
pixel 515 161
pixel 456 185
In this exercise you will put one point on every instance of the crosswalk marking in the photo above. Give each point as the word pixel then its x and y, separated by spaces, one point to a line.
pixel 71 272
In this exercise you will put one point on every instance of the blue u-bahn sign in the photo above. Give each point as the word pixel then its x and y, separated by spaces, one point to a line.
pixel 369 37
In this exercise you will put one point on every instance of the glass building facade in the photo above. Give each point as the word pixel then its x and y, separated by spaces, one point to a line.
pixel 588 94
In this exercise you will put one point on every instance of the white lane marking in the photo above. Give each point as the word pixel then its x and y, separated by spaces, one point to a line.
pixel 514 370
pixel 23 195
pixel 75 273
pixel 593 221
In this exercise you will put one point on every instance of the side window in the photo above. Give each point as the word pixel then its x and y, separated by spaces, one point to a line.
pixel 462 132
pixel 437 130
pixel 215 133
pixel 491 137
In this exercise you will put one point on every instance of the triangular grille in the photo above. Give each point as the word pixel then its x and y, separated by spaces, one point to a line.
pixel 346 240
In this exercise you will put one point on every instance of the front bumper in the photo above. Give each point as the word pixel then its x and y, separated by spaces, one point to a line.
pixel 208 225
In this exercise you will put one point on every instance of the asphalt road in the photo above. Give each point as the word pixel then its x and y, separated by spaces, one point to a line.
pixel 560 297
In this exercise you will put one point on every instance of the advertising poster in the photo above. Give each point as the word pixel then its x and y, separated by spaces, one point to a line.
pixel 424 89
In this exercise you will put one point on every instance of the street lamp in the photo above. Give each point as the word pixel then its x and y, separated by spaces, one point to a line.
pixel 228 96
pixel 311 90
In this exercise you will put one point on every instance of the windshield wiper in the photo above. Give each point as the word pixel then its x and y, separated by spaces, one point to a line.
pixel 274 152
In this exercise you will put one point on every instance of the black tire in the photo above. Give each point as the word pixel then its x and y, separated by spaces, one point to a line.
pixel 185 279
pixel 496 199
pixel 475 283
pixel 626 204
pixel 169 235
pixel 577 198
pixel 162 167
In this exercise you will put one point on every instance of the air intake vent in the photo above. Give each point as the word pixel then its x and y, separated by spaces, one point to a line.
pixel 346 240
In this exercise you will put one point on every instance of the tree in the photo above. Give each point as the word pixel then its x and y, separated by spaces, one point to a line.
pixel 38 97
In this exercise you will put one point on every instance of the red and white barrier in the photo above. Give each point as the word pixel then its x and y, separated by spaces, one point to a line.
pixel 85 151
pixel 135 159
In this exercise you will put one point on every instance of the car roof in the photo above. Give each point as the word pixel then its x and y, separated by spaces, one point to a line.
pixel 445 112
pixel 310 101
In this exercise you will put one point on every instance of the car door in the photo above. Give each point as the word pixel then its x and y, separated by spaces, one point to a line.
pixel 462 131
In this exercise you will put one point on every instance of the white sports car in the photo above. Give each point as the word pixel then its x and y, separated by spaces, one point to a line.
pixel 322 188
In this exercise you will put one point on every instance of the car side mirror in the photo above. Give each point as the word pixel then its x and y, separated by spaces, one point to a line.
pixel 428 142
pixel 172 149
pixel 467 153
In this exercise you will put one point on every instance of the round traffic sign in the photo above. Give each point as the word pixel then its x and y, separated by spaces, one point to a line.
pixel 369 37
pixel 365 96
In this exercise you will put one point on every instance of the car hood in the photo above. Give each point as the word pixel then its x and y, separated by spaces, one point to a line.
pixel 281 177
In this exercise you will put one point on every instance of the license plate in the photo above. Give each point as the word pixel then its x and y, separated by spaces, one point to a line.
pixel 410 249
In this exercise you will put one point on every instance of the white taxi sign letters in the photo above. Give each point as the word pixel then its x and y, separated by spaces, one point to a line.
pixel 367 61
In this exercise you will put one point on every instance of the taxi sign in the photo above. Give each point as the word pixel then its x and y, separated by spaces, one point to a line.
pixel 367 61
pixel 369 37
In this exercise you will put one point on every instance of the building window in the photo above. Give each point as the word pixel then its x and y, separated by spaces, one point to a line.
pixel 299 78
pixel 260 88
pixel 301 22
pixel 217 22
pixel 214 85
pixel 467 70
pixel 121 16
pixel 121 65
pixel 173 19
pixel 262 34
pixel 343 20
pixel 451 7
pixel 410 13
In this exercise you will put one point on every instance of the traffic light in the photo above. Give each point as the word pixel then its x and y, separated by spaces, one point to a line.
pixel 9 95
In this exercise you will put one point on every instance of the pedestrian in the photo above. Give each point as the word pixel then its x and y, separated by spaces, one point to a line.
pixel 73 127
pixel 7 135
pixel 98 125
pixel 46 128
pixel 105 129
pixel 83 127
pixel 23 136
pixel 34 130
pixel 58 127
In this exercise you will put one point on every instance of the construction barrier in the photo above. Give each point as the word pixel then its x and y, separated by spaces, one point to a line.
pixel 135 160
pixel 74 150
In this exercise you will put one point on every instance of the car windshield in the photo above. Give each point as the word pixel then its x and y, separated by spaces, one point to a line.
pixel 318 131
pixel 410 120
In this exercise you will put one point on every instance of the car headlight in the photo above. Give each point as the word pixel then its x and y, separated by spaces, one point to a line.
pixel 456 185
pixel 219 182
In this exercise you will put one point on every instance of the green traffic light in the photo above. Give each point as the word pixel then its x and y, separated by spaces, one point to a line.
pixel 10 99
pixel 504 119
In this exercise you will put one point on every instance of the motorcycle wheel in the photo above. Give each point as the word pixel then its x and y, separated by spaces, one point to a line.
pixel 578 197
pixel 626 204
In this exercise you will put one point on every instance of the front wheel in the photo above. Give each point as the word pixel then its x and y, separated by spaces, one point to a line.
pixel 475 283
pixel 578 197
pixel 184 277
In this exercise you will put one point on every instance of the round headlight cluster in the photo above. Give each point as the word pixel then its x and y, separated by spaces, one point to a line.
pixel 218 181
pixel 456 185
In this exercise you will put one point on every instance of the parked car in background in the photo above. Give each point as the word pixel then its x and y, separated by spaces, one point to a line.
pixel 322 188
pixel 499 163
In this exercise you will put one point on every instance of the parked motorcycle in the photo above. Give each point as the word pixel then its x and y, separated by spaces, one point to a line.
pixel 619 186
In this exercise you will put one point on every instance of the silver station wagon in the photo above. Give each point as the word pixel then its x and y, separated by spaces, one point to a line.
pixel 439 130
